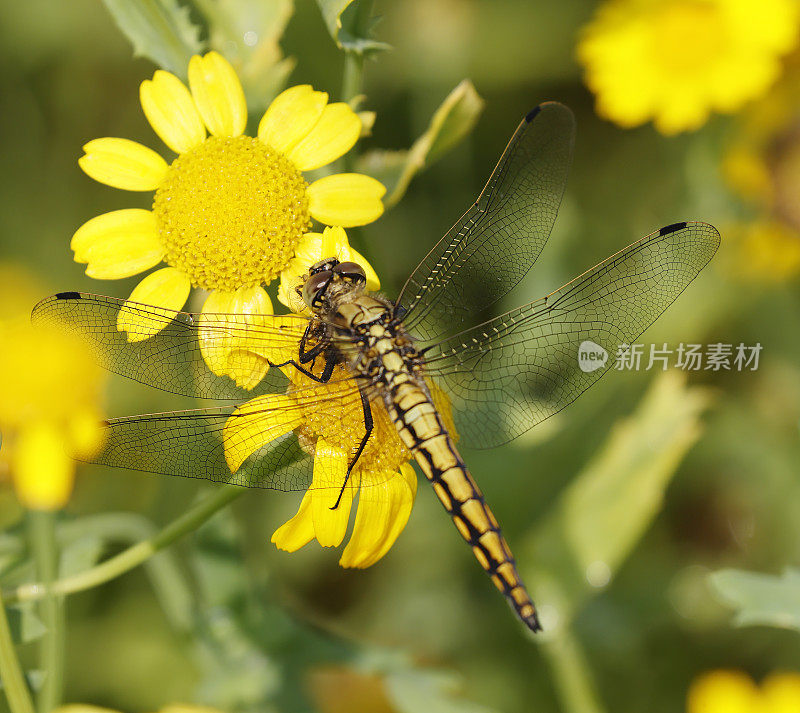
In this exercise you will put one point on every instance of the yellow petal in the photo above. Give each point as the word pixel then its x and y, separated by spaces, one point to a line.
pixel 168 289
pixel 781 693
pixel 333 136
pixel 723 692
pixel 347 199
pixel 123 164
pixel 298 531
pixel 333 243
pixel 86 432
pixel 256 423
pixel 118 244
pixel 330 469
pixel 384 506
pixel 228 346
pixel 43 472
pixel 110 226
pixel 292 114
pixel 373 281
pixel 218 94
pixel 171 111
pixel 291 278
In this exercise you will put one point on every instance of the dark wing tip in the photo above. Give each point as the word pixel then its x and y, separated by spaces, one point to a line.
pixel 67 295
pixel 667 229
pixel 532 113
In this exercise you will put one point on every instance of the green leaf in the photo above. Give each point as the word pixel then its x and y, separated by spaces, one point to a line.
pixel 247 33
pixel 342 19
pixel 25 625
pixel 760 598
pixel 451 123
pixel 607 508
pixel 160 30
pixel 80 554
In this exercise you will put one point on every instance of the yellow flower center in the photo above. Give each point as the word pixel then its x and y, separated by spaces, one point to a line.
pixel 230 213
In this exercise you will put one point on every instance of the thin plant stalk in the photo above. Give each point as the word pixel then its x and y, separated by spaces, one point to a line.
pixel 353 76
pixel 42 532
pixel 134 555
pixel 571 675
pixel 14 685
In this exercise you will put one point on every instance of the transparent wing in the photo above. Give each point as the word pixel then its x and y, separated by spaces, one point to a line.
pixel 172 360
pixel 255 446
pixel 494 244
pixel 510 373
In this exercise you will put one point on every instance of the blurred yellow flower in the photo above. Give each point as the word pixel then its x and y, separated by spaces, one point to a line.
pixel 676 61
pixel 761 164
pixel 50 390
pixel 735 692
pixel 230 210
pixel 762 250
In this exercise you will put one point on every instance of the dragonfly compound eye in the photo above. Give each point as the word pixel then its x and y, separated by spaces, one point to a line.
pixel 351 271
pixel 315 287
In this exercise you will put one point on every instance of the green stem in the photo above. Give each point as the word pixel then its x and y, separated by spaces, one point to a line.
pixel 42 531
pixel 354 61
pixel 571 675
pixel 353 75
pixel 14 685
pixel 136 554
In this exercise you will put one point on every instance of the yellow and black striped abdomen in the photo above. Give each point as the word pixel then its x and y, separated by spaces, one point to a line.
pixel 421 429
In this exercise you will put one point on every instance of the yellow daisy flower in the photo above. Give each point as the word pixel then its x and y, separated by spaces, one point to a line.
pixel 382 478
pixel 230 210
pixel 50 403
pixel 764 250
pixel 761 164
pixel 675 61
pixel 735 692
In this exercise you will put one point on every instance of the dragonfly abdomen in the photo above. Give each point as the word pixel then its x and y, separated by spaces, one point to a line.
pixel 423 432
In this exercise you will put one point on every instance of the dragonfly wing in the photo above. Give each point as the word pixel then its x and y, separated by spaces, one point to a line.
pixel 510 373
pixel 256 445
pixel 172 360
pixel 494 244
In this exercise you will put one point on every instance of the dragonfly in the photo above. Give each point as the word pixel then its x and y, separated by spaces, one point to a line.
pixel 501 375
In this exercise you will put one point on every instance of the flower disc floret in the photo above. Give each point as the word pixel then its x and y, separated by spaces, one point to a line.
pixel 230 213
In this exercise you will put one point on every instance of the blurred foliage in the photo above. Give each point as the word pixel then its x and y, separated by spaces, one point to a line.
pixel 160 30
pixel 674 480
pixel 604 511
pixel 761 598
pixel 341 18
pixel 451 122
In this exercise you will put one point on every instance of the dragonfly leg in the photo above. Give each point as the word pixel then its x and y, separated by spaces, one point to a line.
pixel 368 426
pixel 311 354
pixel 327 372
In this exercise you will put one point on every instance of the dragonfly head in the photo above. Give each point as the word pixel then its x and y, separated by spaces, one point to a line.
pixel 329 279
